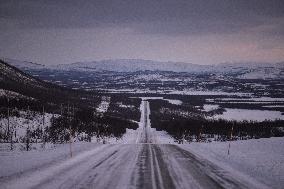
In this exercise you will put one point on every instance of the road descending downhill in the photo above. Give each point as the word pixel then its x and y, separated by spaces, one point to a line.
pixel 145 164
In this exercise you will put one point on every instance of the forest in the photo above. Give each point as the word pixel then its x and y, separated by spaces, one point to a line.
pixel 194 126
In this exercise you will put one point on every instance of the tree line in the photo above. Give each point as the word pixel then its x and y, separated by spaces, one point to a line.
pixel 196 127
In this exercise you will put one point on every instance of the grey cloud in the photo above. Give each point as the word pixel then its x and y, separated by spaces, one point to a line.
pixel 64 31
pixel 175 17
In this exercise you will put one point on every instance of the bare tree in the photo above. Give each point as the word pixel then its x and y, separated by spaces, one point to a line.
pixel 28 139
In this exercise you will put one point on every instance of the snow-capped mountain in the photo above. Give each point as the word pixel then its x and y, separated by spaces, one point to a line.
pixel 133 65
pixel 248 70
pixel 241 70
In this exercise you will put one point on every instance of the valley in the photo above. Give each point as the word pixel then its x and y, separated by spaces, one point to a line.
pixel 89 122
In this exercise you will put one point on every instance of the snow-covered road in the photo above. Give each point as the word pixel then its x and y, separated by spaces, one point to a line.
pixel 128 166
pixel 145 164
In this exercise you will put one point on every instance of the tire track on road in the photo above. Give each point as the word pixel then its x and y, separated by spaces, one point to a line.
pixel 152 171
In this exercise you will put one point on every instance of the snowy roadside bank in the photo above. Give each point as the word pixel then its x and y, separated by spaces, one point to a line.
pixel 14 162
pixel 259 159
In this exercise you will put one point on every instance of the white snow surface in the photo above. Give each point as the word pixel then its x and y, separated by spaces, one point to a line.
pixel 210 107
pixel 274 106
pixel 20 124
pixel 214 93
pixel 13 162
pixel 259 159
pixel 103 106
pixel 259 99
pixel 177 92
pixel 173 101
pixel 245 114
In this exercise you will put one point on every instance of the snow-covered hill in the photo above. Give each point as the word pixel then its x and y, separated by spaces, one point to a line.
pixel 14 80
pixel 23 65
pixel 248 70
pixel 241 70
pixel 12 75
pixel 133 65
pixel 13 95
pixel 253 70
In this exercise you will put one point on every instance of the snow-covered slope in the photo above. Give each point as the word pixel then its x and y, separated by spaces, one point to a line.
pixel 12 95
pixel 23 65
pixel 10 74
pixel 13 79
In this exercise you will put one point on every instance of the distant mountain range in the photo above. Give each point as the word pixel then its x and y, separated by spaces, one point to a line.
pixel 133 65
pixel 245 70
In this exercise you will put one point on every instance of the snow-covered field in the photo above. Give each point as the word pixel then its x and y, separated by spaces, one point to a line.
pixel 260 159
pixel 251 100
pixel 175 92
pixel 240 114
pixel 244 114
pixel 210 107
pixel 259 99
pixel 25 121
pixel 13 162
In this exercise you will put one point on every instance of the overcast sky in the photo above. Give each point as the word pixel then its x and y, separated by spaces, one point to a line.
pixel 201 32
